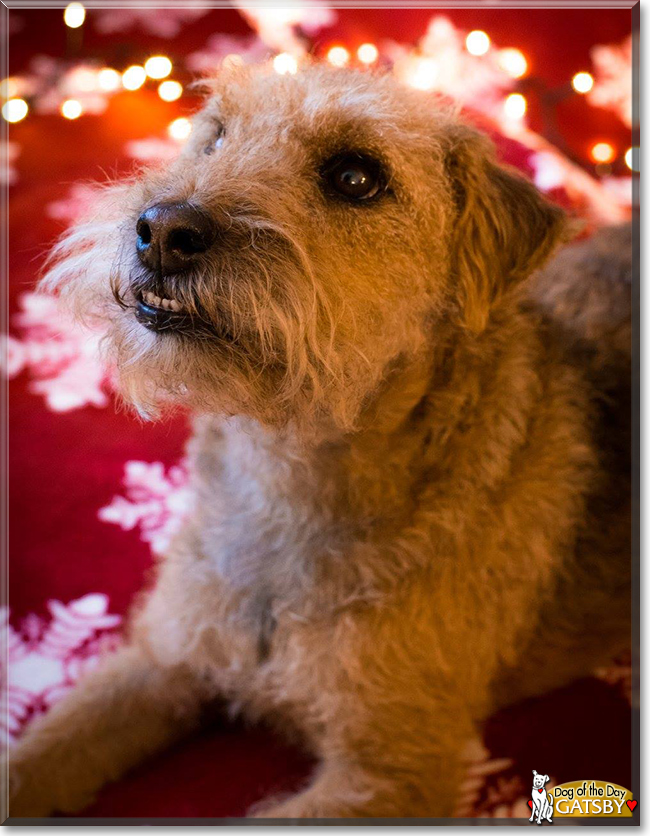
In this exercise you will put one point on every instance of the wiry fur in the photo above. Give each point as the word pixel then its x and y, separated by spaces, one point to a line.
pixel 401 461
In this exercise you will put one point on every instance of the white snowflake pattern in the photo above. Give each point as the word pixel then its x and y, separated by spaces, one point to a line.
pixel 613 77
pixel 46 658
pixel 9 153
pixel 152 149
pixel 279 28
pixel 249 48
pixel 70 208
pixel 62 357
pixel 165 23
pixel 156 501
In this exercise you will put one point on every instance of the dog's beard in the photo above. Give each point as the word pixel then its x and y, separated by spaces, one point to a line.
pixel 258 337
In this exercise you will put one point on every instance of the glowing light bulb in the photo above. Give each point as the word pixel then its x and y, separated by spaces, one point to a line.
pixel 631 159
pixel 158 66
pixel 284 64
pixel 133 77
pixel 423 74
pixel 74 15
pixel 108 79
pixel 367 53
pixel 515 106
pixel 477 42
pixel 338 56
pixel 513 62
pixel 14 110
pixel 169 91
pixel 582 82
pixel 71 109
pixel 180 129
pixel 602 152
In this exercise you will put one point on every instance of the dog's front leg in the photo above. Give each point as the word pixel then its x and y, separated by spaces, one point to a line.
pixel 117 715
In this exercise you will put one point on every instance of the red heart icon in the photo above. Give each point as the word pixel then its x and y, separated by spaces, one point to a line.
pixel 542 790
pixel 530 804
pixel 631 804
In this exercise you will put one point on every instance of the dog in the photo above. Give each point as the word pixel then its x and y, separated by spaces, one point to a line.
pixel 408 458
pixel 542 801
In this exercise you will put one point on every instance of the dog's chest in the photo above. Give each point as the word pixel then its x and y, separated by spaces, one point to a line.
pixel 263 528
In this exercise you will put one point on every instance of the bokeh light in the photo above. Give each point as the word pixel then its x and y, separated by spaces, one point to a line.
pixel 169 91
pixel 71 109
pixel 14 110
pixel 632 159
pixel 108 79
pixel 367 53
pixel 477 42
pixel 338 56
pixel 180 129
pixel 515 106
pixel 513 62
pixel 582 82
pixel 284 64
pixel 74 15
pixel 602 152
pixel 134 77
pixel 158 66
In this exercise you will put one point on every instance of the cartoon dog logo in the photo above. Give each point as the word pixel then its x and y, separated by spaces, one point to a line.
pixel 542 805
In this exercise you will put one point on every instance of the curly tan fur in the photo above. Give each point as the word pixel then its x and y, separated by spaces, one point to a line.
pixel 409 467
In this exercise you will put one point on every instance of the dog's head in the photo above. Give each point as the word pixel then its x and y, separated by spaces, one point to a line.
pixel 539 781
pixel 314 229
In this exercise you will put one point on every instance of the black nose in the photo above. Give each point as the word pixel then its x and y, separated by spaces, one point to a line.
pixel 172 235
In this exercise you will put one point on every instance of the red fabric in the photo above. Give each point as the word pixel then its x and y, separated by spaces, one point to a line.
pixel 65 466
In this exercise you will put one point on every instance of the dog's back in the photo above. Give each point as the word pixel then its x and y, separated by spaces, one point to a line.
pixel 583 299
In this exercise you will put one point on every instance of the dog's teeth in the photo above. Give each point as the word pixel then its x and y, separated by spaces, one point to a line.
pixel 157 300
pixel 174 305
pixel 165 303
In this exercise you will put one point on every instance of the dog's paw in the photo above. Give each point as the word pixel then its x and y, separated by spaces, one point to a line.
pixel 36 792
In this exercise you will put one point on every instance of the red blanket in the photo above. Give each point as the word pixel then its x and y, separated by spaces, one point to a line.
pixel 94 493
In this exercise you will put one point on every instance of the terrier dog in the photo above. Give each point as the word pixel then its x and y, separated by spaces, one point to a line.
pixel 407 462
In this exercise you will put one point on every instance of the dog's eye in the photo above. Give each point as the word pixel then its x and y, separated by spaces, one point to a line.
pixel 216 141
pixel 354 176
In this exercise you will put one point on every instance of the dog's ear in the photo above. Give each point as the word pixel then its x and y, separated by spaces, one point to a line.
pixel 546 779
pixel 534 772
pixel 504 228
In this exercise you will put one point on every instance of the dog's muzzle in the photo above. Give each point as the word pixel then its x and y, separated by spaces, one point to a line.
pixel 171 237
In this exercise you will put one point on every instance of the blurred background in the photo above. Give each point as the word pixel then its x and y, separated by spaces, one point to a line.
pixel 95 495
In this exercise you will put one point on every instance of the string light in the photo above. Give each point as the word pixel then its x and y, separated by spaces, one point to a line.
pixel 602 152
pixel 180 129
pixel 14 110
pixel 338 56
pixel 515 106
pixel 158 66
pixel 513 62
pixel 367 53
pixel 108 79
pixel 74 15
pixel 582 82
pixel 71 109
pixel 284 64
pixel 631 159
pixel 134 77
pixel 477 42
pixel 169 91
